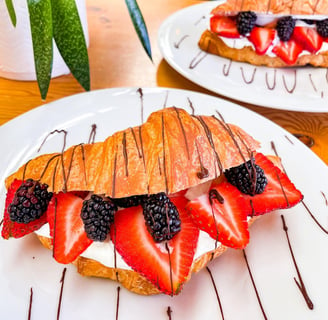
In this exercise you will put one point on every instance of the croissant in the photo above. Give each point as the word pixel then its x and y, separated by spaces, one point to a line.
pixel 176 160
pixel 280 33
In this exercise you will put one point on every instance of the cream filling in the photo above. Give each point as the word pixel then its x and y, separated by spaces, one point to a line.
pixel 104 252
pixel 243 42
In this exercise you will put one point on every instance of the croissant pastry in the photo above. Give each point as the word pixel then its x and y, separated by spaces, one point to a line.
pixel 137 207
pixel 271 33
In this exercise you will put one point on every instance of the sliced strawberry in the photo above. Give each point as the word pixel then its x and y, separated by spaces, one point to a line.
pixel 14 229
pixel 309 38
pixel 262 38
pixel 222 213
pixel 288 51
pixel 69 239
pixel 166 264
pixel 224 26
pixel 280 192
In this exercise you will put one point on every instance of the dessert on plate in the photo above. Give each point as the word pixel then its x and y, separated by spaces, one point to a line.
pixel 271 33
pixel 151 204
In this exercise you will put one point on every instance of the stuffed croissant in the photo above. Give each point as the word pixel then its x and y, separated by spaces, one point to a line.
pixel 271 33
pixel 150 204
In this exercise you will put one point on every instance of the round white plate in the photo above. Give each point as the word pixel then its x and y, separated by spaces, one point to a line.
pixel 25 265
pixel 298 89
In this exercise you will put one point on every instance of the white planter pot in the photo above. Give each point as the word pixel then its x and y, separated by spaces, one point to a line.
pixel 16 50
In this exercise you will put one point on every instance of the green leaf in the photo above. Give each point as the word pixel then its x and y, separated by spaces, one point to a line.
pixel 11 11
pixel 41 29
pixel 69 38
pixel 139 25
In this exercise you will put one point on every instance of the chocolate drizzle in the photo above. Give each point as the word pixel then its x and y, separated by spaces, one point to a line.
pixel 216 291
pixel 254 285
pixel 314 218
pixel 225 69
pixel 125 154
pixel 178 43
pixel 114 174
pixel 299 282
pixel 325 198
pixel 292 89
pixel 71 162
pixel 64 132
pixel 136 142
pixel 170 264
pixel 197 59
pixel 252 76
pixel 164 155
pixel 117 301
pixel 215 195
pixel 92 135
pixel 62 281
pixel 169 312
pixel 29 317
pixel 183 132
pixel 203 173
pixel 191 106
pixel 141 104
pixel 271 87
pixel 312 83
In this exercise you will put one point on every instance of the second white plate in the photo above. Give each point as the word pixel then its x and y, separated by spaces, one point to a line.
pixel 297 89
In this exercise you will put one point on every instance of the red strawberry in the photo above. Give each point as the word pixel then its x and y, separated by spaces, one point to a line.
pixel 225 221
pixel 262 39
pixel 288 51
pixel 69 237
pixel 132 240
pixel 14 229
pixel 224 26
pixel 280 192
pixel 308 38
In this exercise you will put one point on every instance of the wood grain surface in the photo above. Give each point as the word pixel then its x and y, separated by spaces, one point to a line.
pixel 117 59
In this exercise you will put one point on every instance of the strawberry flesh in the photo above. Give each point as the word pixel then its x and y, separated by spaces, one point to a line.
pixel 224 26
pixel 262 39
pixel 222 213
pixel 308 38
pixel 288 51
pixel 66 225
pixel 15 229
pixel 167 264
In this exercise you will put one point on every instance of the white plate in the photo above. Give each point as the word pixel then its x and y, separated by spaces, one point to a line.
pixel 299 89
pixel 25 264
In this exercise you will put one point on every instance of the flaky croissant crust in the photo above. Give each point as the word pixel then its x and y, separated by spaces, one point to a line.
pixel 170 152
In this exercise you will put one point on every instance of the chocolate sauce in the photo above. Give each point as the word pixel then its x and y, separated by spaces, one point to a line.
pixel 30 305
pixel 71 162
pixel 164 156
pixel 294 85
pixel 169 312
pixel 125 154
pixel 215 195
pixel 216 291
pixel 271 87
pixel 203 173
pixel 183 132
pixel 136 142
pixel 92 135
pixel 114 174
pixel 312 83
pixel 273 147
pixel 117 301
pixel 199 20
pixel 170 263
pixel 141 104
pixel 299 282
pixel 1 222
pixel 244 78
pixel 225 69
pixel 62 281
pixel 191 107
pixel 325 198
pixel 178 43
pixel 51 133
pixel 314 218
pixel 166 98
pixel 197 59
pixel 254 285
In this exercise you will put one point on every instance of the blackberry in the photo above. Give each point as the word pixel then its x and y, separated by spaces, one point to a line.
pixel 161 217
pixel 246 22
pixel 97 215
pixel 242 177
pixel 322 28
pixel 285 28
pixel 30 202
pixel 128 201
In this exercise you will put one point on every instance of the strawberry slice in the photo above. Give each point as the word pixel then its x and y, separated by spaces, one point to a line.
pixel 309 38
pixel 69 237
pixel 224 26
pixel 15 229
pixel 288 51
pixel 280 192
pixel 166 264
pixel 222 213
pixel 262 38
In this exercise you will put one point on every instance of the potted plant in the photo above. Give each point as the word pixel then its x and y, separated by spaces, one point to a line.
pixel 57 23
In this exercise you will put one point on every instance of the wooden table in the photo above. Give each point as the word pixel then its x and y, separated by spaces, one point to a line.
pixel 117 59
